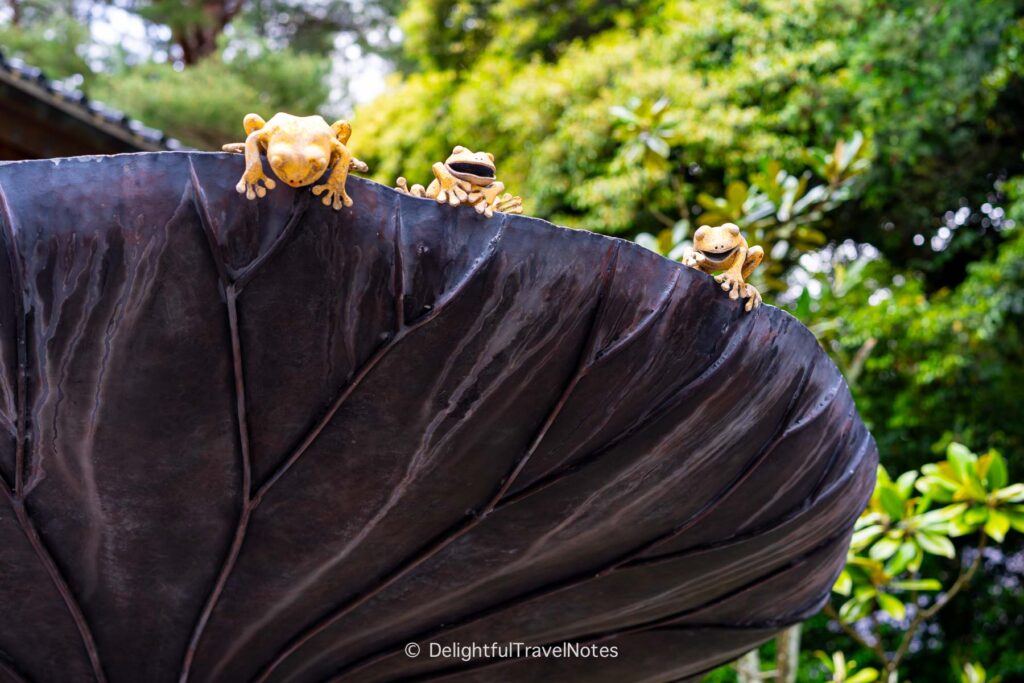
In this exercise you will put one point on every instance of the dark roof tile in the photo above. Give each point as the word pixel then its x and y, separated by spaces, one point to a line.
pixel 97 110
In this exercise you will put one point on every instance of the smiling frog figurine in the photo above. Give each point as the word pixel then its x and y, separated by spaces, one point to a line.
pixel 466 177
pixel 300 149
pixel 724 249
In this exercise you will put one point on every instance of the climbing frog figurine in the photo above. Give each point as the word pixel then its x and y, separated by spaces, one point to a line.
pixel 467 177
pixel 300 149
pixel 724 249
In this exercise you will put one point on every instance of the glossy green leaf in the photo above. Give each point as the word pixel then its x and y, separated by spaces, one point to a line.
pixel 854 609
pixel 938 518
pixel 865 675
pixel 905 483
pixel 901 559
pixel 976 516
pixel 997 525
pixel 917 585
pixel 997 475
pixel 935 544
pixel 962 460
pixel 843 584
pixel 1016 520
pixel 893 605
pixel 884 548
pixel 891 502
pixel 1010 494
pixel 864 537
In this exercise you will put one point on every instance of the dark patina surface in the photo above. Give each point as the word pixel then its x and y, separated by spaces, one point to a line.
pixel 272 441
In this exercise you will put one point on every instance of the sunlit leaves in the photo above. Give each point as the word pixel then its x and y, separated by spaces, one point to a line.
pixel 917 585
pixel 972 672
pixel 777 210
pixel 846 671
pixel 783 212
pixel 917 515
pixel 979 481
pixel 936 544
pixel 647 130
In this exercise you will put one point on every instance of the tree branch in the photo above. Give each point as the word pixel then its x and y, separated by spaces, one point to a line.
pixel 962 580
pixel 875 647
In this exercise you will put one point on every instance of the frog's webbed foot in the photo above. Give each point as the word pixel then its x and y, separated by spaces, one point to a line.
pixel 334 194
pixel 453 195
pixel 482 206
pixel 234 147
pixel 738 289
pixel 358 166
pixel 732 284
pixel 753 298
pixel 402 185
pixel 250 186
pixel 508 203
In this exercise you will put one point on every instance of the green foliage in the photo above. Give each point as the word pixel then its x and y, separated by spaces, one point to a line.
pixel 709 90
pixel 903 523
pixel 314 27
pixel 204 105
pixel 453 34
pixel 907 519
pixel 843 671
pixel 975 673
pixel 51 38
pixel 833 131
pixel 779 211
pixel 932 368
pixel 253 68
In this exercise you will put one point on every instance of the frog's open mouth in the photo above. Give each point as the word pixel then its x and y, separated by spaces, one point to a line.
pixel 479 170
pixel 720 256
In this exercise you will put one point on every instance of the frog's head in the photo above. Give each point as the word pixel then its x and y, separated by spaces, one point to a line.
pixel 720 246
pixel 474 167
pixel 298 164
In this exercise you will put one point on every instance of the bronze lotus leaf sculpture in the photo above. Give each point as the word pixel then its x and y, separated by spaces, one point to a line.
pixel 272 441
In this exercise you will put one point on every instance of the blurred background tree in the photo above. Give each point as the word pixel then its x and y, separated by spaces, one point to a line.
pixel 194 68
pixel 874 147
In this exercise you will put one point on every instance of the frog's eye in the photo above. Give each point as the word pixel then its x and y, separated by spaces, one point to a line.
pixel 701 231
pixel 316 164
pixel 733 228
pixel 276 160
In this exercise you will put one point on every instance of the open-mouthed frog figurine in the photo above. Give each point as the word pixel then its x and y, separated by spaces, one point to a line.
pixel 467 177
pixel 724 249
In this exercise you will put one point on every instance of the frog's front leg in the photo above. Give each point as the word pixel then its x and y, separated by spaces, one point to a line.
pixel 251 123
pixel 509 203
pixel 448 189
pixel 253 175
pixel 754 257
pixel 732 279
pixel 485 198
pixel 753 297
pixel 333 189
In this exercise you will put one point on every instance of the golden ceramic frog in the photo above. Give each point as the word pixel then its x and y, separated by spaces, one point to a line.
pixel 300 149
pixel 724 249
pixel 467 177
